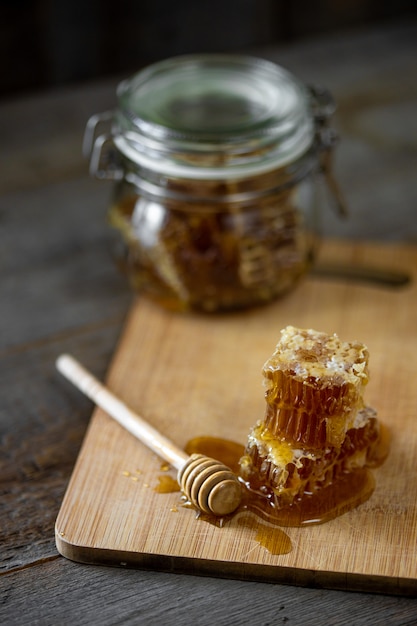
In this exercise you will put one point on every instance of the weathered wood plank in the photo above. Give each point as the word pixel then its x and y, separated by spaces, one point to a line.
pixel 57 272
pixel 42 424
pixel 60 592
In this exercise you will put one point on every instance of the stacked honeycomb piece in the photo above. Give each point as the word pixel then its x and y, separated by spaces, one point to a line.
pixel 316 426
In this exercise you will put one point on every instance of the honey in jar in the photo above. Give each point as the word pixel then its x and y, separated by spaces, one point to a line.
pixel 216 161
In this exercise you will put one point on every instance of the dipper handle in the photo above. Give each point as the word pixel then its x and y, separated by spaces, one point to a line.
pixel 208 484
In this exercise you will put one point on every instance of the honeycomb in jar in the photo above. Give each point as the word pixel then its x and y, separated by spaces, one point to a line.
pixel 232 256
pixel 223 258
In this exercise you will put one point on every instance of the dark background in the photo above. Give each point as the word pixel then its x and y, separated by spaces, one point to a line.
pixel 44 44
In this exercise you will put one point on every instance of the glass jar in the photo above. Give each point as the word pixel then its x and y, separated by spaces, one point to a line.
pixel 215 160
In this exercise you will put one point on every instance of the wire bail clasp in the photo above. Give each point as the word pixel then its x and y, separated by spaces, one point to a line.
pixel 99 147
pixel 323 107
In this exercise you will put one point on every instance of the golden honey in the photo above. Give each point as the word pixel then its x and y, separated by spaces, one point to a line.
pixel 218 162
pixel 336 498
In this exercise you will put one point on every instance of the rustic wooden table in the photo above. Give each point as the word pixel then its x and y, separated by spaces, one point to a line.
pixel 60 292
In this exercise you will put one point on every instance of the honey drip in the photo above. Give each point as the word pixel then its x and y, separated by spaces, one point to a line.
pixel 275 540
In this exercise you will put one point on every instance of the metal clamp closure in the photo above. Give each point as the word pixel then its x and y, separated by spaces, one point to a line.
pixel 100 148
pixel 323 107
pixel 105 162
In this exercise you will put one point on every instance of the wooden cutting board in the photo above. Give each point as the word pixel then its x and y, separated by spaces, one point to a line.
pixel 198 375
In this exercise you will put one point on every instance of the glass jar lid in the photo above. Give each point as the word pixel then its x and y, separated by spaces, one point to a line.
pixel 213 116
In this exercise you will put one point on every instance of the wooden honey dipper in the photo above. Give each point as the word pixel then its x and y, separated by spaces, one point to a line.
pixel 208 484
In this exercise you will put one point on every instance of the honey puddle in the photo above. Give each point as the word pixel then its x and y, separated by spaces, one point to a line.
pixel 263 517
pixel 326 504
pixel 166 484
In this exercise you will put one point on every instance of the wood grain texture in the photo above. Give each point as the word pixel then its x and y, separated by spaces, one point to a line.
pixel 42 426
pixel 62 592
pixel 194 375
